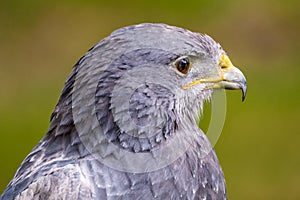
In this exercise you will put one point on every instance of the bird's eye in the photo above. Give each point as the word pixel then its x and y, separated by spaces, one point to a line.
pixel 183 65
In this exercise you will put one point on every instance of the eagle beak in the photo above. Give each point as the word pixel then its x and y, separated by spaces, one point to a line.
pixel 232 77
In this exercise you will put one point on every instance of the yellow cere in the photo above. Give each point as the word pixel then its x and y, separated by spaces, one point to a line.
pixel 225 61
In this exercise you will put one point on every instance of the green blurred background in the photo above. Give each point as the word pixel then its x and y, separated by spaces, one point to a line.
pixel 40 41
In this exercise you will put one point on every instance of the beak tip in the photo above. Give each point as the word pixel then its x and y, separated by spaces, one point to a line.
pixel 244 90
pixel 243 98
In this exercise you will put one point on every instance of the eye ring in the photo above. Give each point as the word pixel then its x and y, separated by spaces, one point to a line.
pixel 183 65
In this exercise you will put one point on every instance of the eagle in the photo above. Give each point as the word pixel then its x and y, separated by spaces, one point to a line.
pixel 125 127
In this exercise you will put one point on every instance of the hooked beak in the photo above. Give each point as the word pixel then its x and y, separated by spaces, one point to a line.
pixel 231 78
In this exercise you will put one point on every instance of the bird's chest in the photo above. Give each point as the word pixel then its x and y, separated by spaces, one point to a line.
pixel 189 177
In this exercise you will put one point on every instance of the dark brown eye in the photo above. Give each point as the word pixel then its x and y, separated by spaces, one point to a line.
pixel 183 65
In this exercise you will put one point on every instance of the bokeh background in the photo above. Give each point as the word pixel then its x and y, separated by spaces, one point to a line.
pixel 40 41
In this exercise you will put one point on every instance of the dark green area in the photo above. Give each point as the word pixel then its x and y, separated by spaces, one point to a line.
pixel 40 41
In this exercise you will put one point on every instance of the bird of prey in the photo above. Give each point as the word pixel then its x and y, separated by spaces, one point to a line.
pixel 124 126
